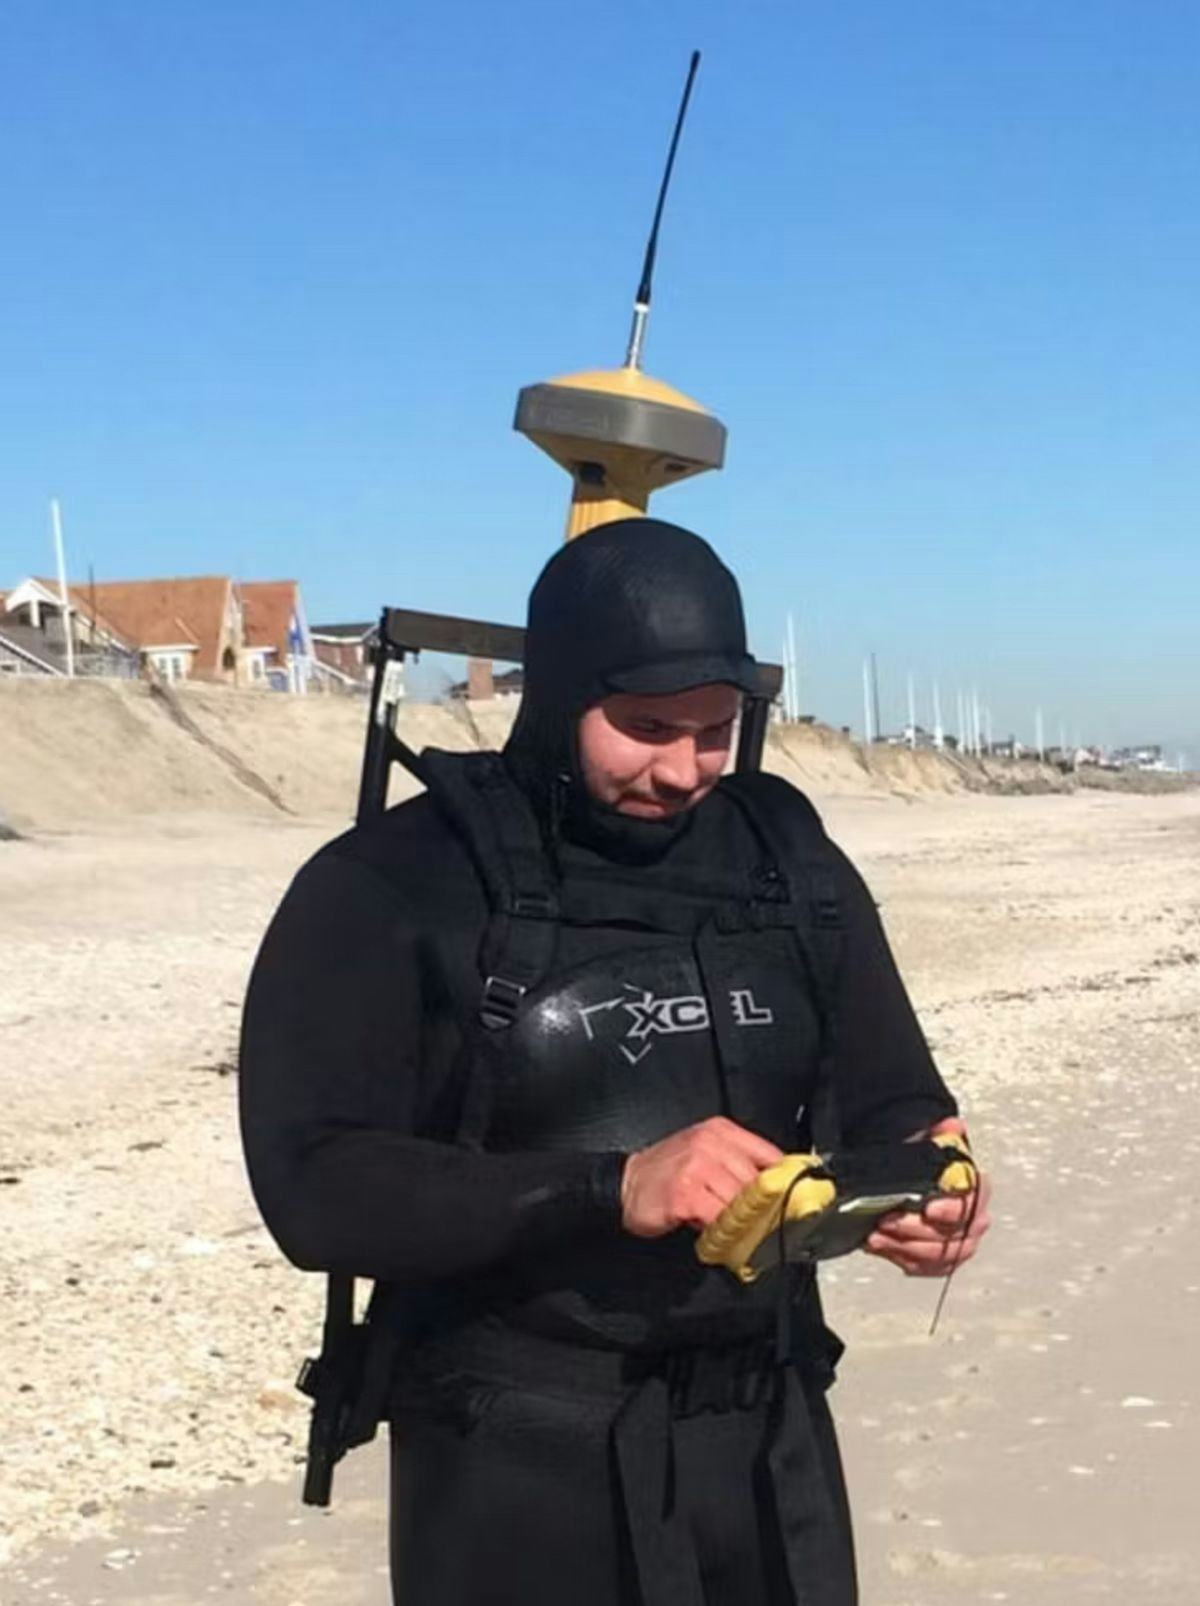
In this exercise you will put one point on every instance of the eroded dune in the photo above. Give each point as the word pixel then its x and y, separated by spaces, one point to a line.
pixel 80 752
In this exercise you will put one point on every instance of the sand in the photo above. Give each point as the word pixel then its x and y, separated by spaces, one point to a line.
pixel 1040 1448
pixel 74 753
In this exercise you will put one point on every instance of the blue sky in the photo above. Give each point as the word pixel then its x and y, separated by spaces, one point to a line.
pixel 272 275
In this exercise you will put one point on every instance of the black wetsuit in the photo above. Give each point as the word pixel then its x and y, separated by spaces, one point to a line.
pixel 549 1444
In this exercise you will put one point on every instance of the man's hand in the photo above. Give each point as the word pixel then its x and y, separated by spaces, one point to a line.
pixel 931 1242
pixel 686 1180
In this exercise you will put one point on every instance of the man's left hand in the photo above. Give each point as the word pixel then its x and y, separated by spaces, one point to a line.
pixel 931 1242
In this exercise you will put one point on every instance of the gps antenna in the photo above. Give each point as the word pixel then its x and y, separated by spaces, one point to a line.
pixel 641 301
pixel 619 434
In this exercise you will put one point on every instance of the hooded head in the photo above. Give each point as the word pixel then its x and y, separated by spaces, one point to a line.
pixel 637 606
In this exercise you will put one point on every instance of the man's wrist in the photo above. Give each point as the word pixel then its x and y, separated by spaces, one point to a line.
pixel 604 1185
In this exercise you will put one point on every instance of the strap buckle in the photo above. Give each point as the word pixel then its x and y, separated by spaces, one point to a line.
pixel 827 913
pixel 500 1002
pixel 770 883
pixel 310 1376
pixel 533 906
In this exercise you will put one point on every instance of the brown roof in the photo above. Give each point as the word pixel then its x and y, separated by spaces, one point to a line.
pixel 163 613
pixel 81 598
pixel 268 606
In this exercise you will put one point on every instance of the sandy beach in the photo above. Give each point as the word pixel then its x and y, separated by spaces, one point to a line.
pixel 1041 1447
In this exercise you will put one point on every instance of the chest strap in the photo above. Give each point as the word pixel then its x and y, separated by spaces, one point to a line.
pixel 792 834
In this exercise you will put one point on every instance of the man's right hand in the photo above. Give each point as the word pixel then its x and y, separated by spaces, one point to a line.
pixel 686 1180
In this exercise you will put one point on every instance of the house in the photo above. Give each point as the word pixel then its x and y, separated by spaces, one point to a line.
pixel 278 649
pixel 1148 756
pixel 20 653
pixel 185 629
pixel 198 627
pixel 23 653
pixel 910 736
pixel 180 629
pixel 347 651
pixel 35 635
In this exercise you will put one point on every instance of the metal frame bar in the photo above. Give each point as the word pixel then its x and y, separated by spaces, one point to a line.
pixel 403 630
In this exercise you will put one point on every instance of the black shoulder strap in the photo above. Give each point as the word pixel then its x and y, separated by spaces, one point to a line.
pixel 494 820
pixel 791 829
pixel 350 1379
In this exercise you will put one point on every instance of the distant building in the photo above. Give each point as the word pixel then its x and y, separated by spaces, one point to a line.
pixel 346 651
pixel 910 736
pixel 278 647
pixel 33 634
pixel 1147 757
pixel 22 653
pixel 183 629
pixel 203 627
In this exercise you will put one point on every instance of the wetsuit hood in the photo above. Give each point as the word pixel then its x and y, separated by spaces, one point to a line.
pixel 633 606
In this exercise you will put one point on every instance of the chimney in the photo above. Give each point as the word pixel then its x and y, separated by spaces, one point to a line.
pixel 479 679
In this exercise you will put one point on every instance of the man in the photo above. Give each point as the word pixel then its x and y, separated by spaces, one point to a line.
pixel 507 1050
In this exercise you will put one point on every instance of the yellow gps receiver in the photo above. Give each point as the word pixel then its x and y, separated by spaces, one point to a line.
pixel 812 1207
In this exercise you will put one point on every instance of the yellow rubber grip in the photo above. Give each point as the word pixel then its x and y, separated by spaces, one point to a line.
pixel 733 1238
pixel 960 1176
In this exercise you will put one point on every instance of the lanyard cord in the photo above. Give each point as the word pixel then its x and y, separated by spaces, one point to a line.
pixel 957 1242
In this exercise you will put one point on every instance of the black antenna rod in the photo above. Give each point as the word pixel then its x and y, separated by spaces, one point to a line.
pixel 641 301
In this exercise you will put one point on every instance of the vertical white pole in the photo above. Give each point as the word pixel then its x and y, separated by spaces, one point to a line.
pixel 793 667
pixel 56 522
pixel 987 726
pixel 1041 735
pixel 912 711
pixel 975 721
pixel 786 699
pixel 867 732
pixel 962 721
pixel 939 735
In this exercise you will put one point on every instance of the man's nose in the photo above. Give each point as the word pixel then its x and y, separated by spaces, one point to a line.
pixel 677 769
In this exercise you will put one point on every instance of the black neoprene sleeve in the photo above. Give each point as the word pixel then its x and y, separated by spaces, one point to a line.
pixel 888 1084
pixel 334 1072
